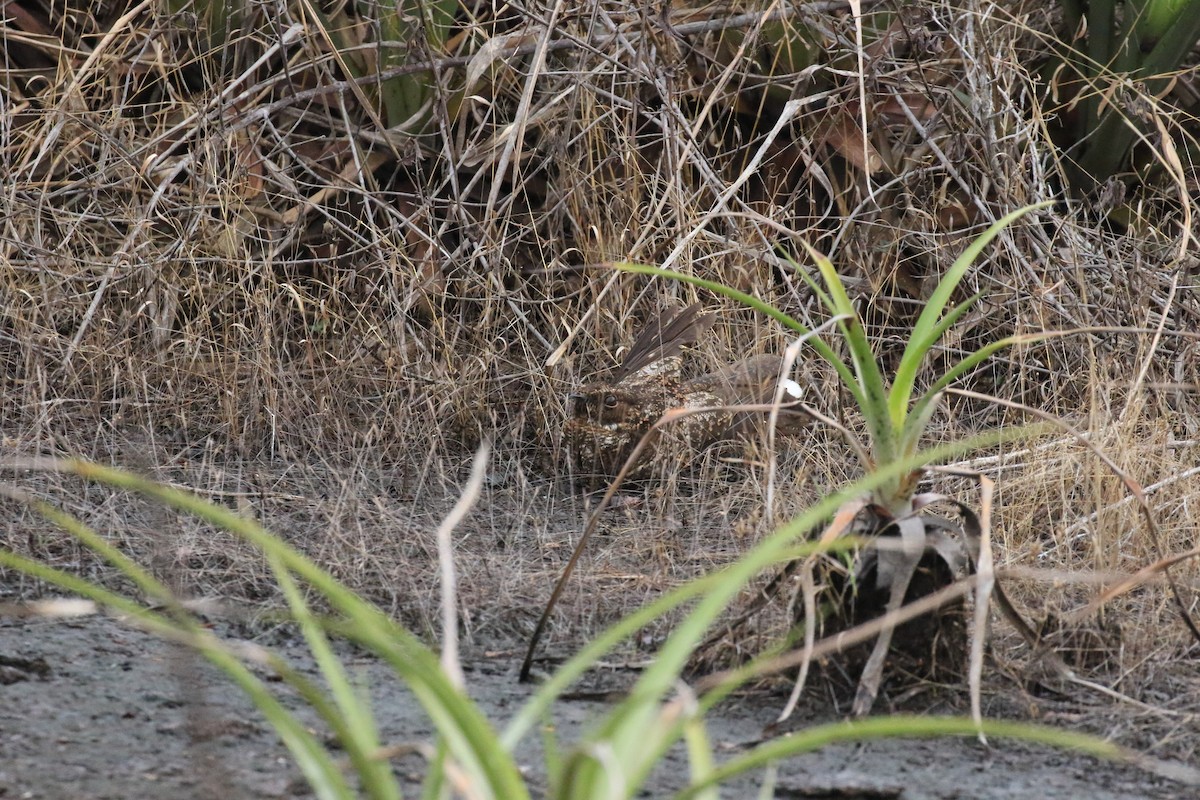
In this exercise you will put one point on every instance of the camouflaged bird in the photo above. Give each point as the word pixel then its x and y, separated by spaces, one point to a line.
pixel 608 419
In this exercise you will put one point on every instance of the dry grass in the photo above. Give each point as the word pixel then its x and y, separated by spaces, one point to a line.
pixel 228 276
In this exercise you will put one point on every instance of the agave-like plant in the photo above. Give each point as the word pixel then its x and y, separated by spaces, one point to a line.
pixel 896 416
pixel 1111 48
pixel 407 32
pixel 470 755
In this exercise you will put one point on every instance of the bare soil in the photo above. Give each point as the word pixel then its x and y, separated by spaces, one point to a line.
pixel 94 708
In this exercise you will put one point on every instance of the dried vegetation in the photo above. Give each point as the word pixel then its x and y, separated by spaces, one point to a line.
pixel 233 256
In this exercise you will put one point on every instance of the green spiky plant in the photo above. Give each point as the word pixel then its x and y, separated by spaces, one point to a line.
pixel 896 416
pixel 403 33
pixel 406 98
pixel 409 32
pixel 1123 45
pixel 615 759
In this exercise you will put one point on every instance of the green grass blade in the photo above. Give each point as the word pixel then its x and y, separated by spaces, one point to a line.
pixel 700 752
pixel 313 760
pixel 181 621
pixel 918 415
pixel 917 422
pixel 898 726
pixel 470 738
pixel 567 674
pixel 143 580
pixel 812 283
pixel 917 418
pixel 952 316
pixel 624 730
pixel 874 405
pixel 317 699
pixel 538 705
pixel 435 787
pixel 928 330
pixel 750 301
pixel 357 732
pixel 1101 48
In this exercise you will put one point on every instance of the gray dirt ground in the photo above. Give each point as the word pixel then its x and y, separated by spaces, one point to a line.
pixel 92 708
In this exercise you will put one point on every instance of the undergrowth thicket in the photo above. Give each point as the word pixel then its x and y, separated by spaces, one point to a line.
pixel 305 261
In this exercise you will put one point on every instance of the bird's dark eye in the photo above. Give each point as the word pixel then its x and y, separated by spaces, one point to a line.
pixel 610 401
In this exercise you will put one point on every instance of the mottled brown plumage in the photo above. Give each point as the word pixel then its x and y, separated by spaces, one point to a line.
pixel 608 419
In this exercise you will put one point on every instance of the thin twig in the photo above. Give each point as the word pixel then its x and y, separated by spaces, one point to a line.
pixel 445 549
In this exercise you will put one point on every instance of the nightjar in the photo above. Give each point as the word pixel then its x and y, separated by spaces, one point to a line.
pixel 608 419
